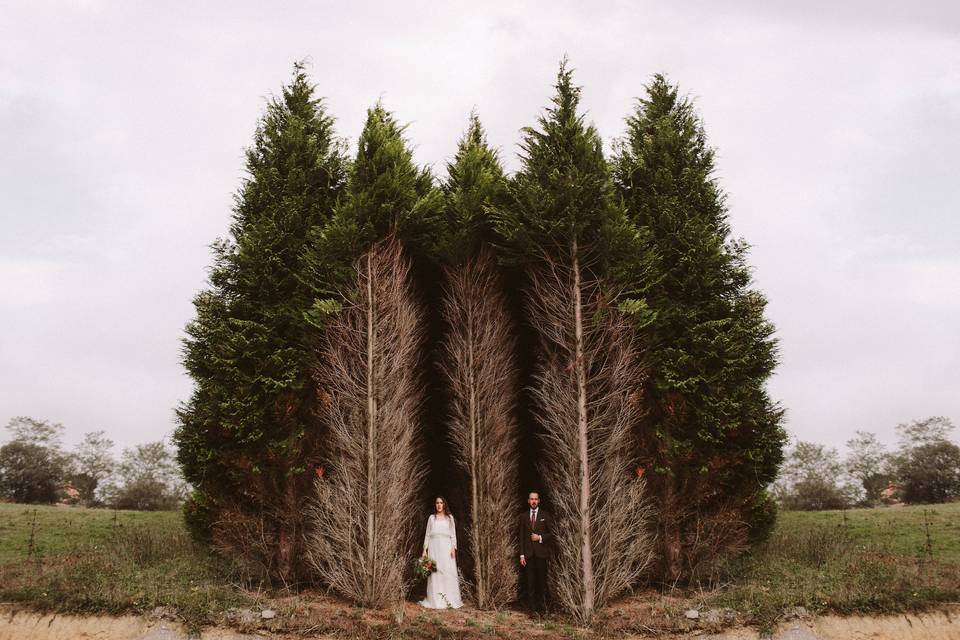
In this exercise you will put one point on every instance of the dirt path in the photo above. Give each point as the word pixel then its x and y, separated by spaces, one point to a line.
pixel 925 626
pixel 26 625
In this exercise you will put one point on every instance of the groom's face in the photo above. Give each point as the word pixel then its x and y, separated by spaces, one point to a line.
pixel 533 500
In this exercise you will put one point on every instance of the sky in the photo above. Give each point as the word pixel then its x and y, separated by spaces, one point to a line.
pixel 123 127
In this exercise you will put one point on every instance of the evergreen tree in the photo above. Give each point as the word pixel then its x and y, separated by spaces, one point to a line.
pixel 246 437
pixel 369 367
pixel 479 367
pixel 711 434
pixel 387 195
pixel 562 222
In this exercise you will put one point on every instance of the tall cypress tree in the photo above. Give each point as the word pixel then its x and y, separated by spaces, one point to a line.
pixel 387 194
pixel 711 435
pixel 245 437
pixel 563 223
pixel 479 367
pixel 368 370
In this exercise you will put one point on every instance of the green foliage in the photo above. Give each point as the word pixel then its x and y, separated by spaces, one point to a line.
pixel 475 187
pixel 32 464
pixel 563 194
pixel 244 437
pixel 651 226
pixel 870 464
pixel 385 194
pixel 146 479
pixel 920 432
pixel 97 561
pixel 39 432
pixel 761 516
pixel 90 464
pixel 857 561
pixel 711 428
pixel 812 479
pixel 29 473
pixel 930 473
pixel 198 516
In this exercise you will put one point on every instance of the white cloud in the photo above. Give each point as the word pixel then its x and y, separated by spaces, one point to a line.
pixel 933 283
pixel 25 283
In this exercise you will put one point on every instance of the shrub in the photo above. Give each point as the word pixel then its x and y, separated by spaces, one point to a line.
pixel 198 516
pixel 930 473
pixel 145 494
pixel 761 517
pixel 29 473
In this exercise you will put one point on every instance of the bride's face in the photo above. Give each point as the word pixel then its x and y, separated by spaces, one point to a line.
pixel 439 505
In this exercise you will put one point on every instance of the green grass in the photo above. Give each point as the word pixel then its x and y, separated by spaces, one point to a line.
pixel 861 561
pixel 868 561
pixel 60 530
pixel 897 530
pixel 86 560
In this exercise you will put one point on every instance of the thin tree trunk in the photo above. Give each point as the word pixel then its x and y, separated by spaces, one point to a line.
pixel 478 364
pixel 364 513
pixel 670 519
pixel 288 533
pixel 587 387
pixel 371 427
pixel 582 433
pixel 474 450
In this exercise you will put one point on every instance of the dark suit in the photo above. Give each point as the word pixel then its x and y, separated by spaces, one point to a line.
pixel 536 555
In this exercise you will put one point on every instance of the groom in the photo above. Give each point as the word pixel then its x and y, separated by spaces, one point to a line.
pixel 535 550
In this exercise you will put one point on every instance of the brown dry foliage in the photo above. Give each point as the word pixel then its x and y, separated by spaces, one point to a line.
pixel 587 397
pixel 478 363
pixel 710 541
pixel 246 538
pixel 363 532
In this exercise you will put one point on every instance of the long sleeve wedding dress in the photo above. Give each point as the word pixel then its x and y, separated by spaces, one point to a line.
pixel 443 585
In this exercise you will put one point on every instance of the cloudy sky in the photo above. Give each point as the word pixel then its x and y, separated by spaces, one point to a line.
pixel 122 128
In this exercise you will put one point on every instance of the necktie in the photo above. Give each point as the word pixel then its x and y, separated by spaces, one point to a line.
pixel 533 517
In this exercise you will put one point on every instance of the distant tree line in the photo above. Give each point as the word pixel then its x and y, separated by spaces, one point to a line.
pixel 923 468
pixel 372 334
pixel 36 469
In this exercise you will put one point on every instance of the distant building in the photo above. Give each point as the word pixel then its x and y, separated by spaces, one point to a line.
pixel 891 494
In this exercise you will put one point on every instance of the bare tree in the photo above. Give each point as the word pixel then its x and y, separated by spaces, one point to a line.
pixel 478 363
pixel 371 396
pixel 587 387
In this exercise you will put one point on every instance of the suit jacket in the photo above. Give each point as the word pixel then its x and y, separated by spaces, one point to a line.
pixel 528 547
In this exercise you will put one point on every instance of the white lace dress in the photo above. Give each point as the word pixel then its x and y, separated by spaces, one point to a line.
pixel 443 585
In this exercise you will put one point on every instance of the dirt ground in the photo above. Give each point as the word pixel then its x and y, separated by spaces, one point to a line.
pixel 20 624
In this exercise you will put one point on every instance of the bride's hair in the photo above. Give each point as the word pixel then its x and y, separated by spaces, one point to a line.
pixel 446 506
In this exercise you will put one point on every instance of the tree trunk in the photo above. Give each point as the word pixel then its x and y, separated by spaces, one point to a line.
pixel 582 424
pixel 289 532
pixel 474 451
pixel 670 519
pixel 478 365
pixel 363 512
pixel 587 388
pixel 371 427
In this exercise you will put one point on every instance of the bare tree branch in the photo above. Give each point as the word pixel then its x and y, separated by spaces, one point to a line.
pixel 371 397
pixel 587 387
pixel 478 364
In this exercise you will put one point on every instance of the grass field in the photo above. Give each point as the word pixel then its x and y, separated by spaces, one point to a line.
pixel 882 560
pixel 58 530
pixel 73 559
pixel 896 530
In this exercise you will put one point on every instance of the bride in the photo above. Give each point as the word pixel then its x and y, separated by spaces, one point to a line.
pixel 440 544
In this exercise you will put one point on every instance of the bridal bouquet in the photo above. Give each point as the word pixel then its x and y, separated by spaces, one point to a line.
pixel 423 567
